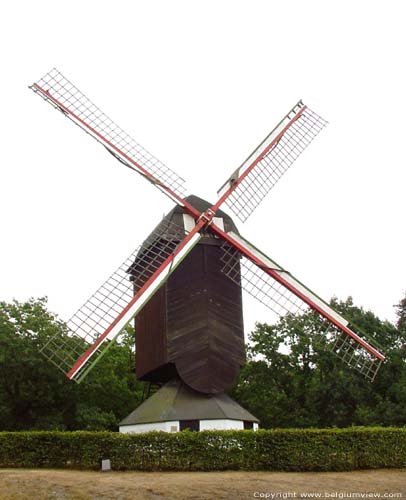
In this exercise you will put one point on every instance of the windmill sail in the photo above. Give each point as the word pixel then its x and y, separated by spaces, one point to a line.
pixel 253 180
pixel 103 317
pixel 282 293
pixel 58 91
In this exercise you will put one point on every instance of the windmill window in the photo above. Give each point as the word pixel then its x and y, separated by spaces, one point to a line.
pixel 192 425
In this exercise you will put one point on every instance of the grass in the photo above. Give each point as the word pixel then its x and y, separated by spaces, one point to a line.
pixel 35 484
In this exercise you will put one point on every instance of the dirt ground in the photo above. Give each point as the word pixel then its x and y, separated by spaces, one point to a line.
pixel 18 484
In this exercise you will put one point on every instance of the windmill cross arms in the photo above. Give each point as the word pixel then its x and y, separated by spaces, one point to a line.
pixel 257 175
pixel 58 91
pixel 275 287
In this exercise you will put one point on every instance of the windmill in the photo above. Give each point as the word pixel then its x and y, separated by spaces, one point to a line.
pixel 183 284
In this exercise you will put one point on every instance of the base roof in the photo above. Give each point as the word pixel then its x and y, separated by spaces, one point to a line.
pixel 176 401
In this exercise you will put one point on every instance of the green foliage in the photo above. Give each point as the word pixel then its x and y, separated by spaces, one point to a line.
pixel 401 314
pixel 278 450
pixel 35 395
pixel 293 380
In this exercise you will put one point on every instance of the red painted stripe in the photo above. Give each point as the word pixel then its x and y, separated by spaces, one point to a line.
pixel 253 258
pixel 195 213
pixel 257 160
pixel 82 360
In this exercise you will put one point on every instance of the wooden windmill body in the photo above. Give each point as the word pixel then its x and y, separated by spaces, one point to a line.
pixel 193 326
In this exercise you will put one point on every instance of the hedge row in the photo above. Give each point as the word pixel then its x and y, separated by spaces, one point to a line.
pixel 272 450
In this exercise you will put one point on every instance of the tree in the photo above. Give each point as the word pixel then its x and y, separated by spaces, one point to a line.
pixel 110 391
pixel 292 379
pixel 36 395
pixel 401 314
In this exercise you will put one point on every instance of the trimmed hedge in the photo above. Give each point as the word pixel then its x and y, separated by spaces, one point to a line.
pixel 272 450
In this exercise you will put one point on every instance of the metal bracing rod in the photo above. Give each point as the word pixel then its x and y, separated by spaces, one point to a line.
pixel 246 252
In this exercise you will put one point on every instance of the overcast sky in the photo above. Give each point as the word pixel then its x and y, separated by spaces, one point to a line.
pixel 199 84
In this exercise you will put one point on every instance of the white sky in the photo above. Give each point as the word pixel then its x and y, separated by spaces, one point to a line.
pixel 199 84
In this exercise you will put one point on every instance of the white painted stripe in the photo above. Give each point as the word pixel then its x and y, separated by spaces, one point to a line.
pixel 138 304
pixel 289 278
pixel 188 222
pixel 267 141
pixel 314 298
pixel 219 222
pixel 256 153
pixel 244 243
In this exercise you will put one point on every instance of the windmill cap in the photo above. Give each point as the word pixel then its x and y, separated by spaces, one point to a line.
pixel 175 219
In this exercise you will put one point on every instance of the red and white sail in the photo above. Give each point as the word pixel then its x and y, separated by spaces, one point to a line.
pixel 58 91
pixel 111 308
pixel 281 292
pixel 258 174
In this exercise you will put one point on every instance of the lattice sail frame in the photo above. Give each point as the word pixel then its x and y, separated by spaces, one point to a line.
pixel 354 355
pixel 243 192
pixel 358 351
pixel 253 180
pixel 101 310
pixel 58 91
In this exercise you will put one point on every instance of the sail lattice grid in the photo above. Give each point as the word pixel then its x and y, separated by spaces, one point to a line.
pixel 76 106
pixel 261 179
pixel 259 284
pixel 282 302
pixel 354 355
pixel 102 308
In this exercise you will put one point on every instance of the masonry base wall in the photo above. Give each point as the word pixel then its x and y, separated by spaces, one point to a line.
pixel 174 426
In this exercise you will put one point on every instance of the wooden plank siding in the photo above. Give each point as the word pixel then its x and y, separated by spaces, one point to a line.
pixel 194 323
pixel 193 326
